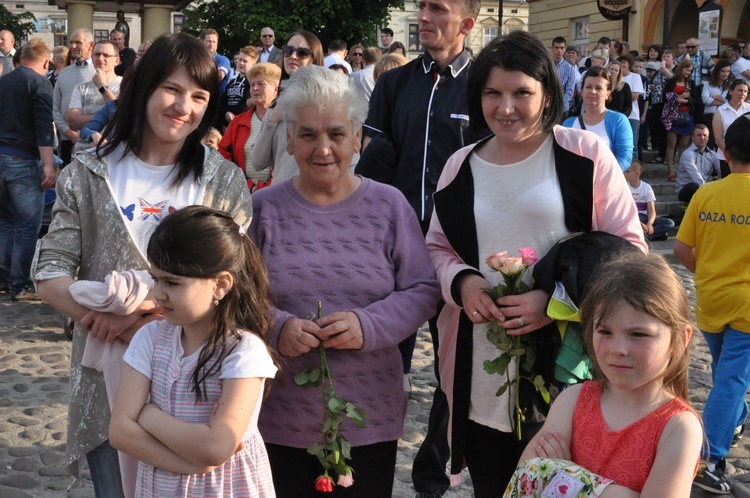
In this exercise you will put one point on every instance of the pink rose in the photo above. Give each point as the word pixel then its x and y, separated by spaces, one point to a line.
pixel 528 256
pixel 345 480
pixel 498 262
pixel 515 266
pixel 324 483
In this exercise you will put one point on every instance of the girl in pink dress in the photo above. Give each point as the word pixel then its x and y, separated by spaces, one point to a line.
pixel 632 432
pixel 192 385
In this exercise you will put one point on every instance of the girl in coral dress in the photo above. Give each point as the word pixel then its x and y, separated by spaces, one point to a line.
pixel 631 433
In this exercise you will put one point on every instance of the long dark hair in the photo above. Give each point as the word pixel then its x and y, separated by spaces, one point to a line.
pixel 516 51
pixel 165 56
pixel 200 242
pixel 713 80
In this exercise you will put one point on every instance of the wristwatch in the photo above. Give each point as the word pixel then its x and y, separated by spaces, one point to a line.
pixel 102 89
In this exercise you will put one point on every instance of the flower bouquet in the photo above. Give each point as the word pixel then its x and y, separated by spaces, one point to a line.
pixel 333 449
pixel 519 349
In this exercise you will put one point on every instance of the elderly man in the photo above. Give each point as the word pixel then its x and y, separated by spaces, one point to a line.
pixel 127 55
pixel 417 120
pixel 104 86
pixel 26 138
pixel 698 165
pixel 703 64
pixel 7 51
pixel 81 71
pixel 270 52
pixel 210 39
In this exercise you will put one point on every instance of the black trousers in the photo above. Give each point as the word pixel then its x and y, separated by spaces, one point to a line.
pixel 295 471
pixel 492 457
pixel 428 470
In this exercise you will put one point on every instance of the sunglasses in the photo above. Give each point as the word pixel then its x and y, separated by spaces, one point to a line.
pixel 302 53
pixel 266 36
pixel 356 54
pixel 691 46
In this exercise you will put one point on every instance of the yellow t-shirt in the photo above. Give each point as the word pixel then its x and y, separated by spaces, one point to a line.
pixel 717 225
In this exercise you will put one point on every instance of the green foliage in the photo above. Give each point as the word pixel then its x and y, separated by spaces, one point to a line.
pixel 239 22
pixel 21 25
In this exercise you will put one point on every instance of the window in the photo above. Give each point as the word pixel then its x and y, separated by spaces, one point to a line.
pixel 414 38
pixel 580 35
pixel 490 33
pixel 101 35
pixel 490 11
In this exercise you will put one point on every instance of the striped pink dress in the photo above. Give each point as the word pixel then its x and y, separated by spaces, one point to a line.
pixel 247 473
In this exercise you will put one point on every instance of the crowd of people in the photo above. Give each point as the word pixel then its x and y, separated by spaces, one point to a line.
pixel 227 236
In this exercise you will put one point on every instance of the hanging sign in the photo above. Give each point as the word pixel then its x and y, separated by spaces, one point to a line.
pixel 614 9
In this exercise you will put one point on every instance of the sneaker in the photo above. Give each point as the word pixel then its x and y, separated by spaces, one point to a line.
pixel 25 294
pixel 739 432
pixel 713 482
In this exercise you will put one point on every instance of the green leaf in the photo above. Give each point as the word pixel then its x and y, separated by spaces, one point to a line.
pixel 335 405
pixel 314 449
pixel 302 378
pixel 502 389
pixel 489 367
pixel 315 375
pixel 346 448
pixel 502 362
pixel 517 351
pixel 358 417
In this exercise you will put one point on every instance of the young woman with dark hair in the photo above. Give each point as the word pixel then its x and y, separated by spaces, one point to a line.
pixel 109 200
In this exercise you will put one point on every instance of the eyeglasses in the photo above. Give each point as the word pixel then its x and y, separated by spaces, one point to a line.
pixel 267 36
pixel 302 52
pixel 691 46
pixel 356 54
pixel 101 54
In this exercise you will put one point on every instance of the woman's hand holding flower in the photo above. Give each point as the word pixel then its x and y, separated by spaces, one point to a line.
pixel 530 307
pixel 298 337
pixel 477 303
pixel 341 330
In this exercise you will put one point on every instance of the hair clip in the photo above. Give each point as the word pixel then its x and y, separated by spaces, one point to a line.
pixel 242 230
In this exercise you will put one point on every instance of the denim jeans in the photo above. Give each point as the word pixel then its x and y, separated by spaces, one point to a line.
pixel 635 125
pixel 21 209
pixel 104 466
pixel 662 225
pixel 726 407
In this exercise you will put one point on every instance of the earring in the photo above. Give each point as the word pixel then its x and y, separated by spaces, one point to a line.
pixel 216 302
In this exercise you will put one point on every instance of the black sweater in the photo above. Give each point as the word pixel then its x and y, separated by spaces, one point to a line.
pixel 25 113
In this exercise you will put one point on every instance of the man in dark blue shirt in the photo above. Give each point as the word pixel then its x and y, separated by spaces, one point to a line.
pixel 418 118
pixel 26 167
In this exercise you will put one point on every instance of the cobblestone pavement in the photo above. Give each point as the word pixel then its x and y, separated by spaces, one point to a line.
pixel 34 357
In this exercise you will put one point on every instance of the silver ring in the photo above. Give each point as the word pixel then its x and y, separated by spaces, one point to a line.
pixel 520 322
pixel 475 313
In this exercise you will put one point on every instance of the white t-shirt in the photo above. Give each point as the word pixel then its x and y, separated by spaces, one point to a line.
pixel 642 195
pixel 598 128
pixel 636 86
pixel 145 195
pixel 740 66
pixel 248 360
pixel 515 205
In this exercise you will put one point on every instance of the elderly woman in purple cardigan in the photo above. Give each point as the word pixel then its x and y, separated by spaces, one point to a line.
pixel 355 245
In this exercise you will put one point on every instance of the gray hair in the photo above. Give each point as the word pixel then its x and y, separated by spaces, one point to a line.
pixel 321 88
